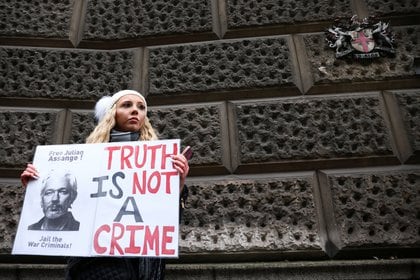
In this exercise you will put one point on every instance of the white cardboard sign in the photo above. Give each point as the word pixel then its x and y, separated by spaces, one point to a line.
pixel 127 201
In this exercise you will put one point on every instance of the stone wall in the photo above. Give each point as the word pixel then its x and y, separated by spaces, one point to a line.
pixel 297 155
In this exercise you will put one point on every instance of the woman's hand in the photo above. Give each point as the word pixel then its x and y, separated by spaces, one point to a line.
pixel 181 165
pixel 28 174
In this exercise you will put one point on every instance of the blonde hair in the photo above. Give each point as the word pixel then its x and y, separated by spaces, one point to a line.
pixel 102 131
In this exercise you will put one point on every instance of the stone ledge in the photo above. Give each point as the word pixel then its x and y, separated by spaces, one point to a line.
pixel 348 269
pixel 361 269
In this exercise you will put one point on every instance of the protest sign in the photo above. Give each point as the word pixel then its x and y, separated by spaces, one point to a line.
pixel 117 199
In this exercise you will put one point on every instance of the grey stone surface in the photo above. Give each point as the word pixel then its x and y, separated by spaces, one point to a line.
pixel 309 270
pixel 22 131
pixel 35 18
pixel 31 271
pixel 293 129
pixel 11 201
pixel 396 7
pixel 239 64
pixel 373 208
pixel 243 13
pixel 244 207
pixel 82 124
pixel 326 69
pixel 63 74
pixel 409 102
pixel 199 126
pixel 125 19
pixel 271 214
pixel 345 270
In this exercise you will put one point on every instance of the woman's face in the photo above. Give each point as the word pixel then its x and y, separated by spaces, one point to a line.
pixel 130 114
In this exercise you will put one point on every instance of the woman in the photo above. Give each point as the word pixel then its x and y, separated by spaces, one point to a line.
pixel 121 117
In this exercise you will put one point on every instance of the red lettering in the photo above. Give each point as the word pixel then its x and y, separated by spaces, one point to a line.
pixel 166 155
pixel 155 189
pixel 140 165
pixel 139 155
pixel 156 239
pixel 115 238
pixel 151 183
pixel 111 149
pixel 136 184
pixel 153 150
pixel 151 240
pixel 132 249
pixel 125 158
pixel 168 179
pixel 99 249
pixel 166 239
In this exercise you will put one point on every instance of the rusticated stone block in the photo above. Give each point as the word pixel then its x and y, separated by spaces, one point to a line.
pixel 265 214
pixel 311 128
pixel 67 74
pixel 35 18
pixel 403 108
pixel 242 13
pixel 82 124
pixel 11 201
pixel 372 209
pixel 262 62
pixel 111 19
pixel 24 131
pixel 325 68
pixel 398 7
pixel 409 102
pixel 200 126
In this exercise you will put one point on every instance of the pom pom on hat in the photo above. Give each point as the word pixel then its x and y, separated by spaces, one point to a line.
pixel 102 106
pixel 106 102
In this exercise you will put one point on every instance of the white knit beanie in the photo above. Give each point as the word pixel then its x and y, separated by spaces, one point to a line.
pixel 106 102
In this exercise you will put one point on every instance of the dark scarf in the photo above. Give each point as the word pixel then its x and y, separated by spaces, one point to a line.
pixel 121 136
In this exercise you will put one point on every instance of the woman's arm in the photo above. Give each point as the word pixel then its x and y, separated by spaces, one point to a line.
pixel 182 166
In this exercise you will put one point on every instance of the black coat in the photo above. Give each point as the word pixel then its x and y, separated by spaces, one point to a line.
pixel 70 225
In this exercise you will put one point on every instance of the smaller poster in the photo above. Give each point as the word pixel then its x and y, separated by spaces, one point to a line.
pixel 109 199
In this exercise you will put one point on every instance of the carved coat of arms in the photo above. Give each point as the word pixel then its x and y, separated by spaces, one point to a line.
pixel 360 39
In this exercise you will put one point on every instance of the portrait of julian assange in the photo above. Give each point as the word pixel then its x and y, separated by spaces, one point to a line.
pixel 59 190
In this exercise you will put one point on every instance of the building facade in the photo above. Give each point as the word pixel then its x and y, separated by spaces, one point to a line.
pixel 306 165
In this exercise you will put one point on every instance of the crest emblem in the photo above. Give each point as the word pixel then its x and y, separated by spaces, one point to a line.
pixel 361 40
